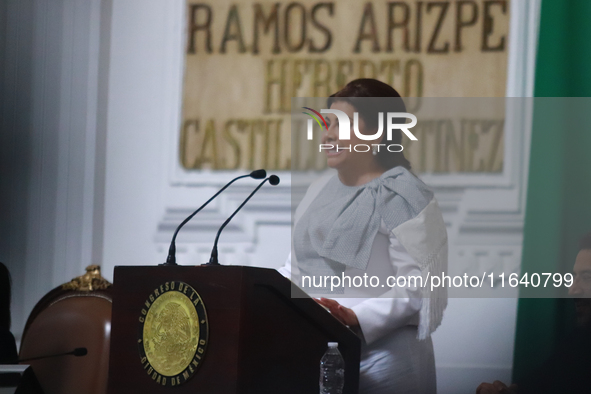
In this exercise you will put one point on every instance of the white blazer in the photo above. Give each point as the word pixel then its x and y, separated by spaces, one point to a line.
pixel 397 306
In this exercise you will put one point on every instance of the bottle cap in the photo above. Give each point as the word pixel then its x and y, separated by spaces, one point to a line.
pixel 333 344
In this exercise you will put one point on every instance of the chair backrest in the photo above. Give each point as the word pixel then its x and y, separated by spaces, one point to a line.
pixel 74 315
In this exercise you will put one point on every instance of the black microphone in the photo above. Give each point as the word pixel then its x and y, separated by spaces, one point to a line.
pixel 171 259
pixel 78 352
pixel 213 260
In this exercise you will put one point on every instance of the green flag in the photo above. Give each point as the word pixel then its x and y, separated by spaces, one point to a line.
pixel 558 210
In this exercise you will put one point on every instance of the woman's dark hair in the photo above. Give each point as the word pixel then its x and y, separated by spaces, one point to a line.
pixel 370 97
pixel 4 297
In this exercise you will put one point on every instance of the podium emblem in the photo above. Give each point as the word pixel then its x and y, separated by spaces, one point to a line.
pixel 173 333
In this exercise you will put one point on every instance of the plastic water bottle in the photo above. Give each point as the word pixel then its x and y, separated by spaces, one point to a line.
pixel 332 370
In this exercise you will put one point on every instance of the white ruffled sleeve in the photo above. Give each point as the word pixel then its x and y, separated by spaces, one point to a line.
pixel 398 306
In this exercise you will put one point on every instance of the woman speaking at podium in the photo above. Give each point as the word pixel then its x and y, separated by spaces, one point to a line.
pixel 375 218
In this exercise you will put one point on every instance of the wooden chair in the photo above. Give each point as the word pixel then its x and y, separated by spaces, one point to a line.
pixel 74 315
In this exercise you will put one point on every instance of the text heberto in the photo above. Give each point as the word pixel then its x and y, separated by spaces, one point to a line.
pixel 345 129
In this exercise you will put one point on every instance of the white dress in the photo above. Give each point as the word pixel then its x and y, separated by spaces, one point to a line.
pixel 393 360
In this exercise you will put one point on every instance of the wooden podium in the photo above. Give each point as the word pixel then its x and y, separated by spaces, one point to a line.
pixel 260 339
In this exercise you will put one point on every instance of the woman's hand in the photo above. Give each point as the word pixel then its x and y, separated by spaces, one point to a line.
pixel 345 315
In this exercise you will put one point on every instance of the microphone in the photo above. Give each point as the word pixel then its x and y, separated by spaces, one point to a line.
pixel 78 352
pixel 171 259
pixel 213 260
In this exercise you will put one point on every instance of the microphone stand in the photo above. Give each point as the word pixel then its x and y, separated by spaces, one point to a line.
pixel 78 352
pixel 171 259
pixel 213 260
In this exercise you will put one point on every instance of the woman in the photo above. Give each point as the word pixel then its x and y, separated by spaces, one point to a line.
pixel 375 217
